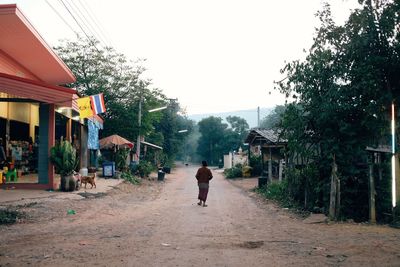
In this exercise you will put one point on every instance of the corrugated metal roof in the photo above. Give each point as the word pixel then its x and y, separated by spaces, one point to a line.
pixel 264 136
pixel 35 90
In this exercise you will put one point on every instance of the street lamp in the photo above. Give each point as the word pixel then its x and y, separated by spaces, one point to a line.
pixel 140 124
pixel 157 109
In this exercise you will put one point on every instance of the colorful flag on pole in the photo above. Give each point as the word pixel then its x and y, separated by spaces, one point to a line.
pixel 98 104
pixel 85 107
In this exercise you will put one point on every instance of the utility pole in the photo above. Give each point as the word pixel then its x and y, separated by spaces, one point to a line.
pixel 258 117
pixel 140 124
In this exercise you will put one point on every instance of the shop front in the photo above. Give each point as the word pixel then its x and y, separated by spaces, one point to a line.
pixel 34 110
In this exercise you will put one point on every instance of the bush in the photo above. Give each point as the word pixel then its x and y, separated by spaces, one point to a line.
pixel 120 159
pixel 144 168
pixel 277 191
pixel 255 163
pixel 234 172
pixel 130 178
pixel 63 157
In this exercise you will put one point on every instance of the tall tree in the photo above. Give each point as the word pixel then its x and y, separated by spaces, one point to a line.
pixel 274 119
pixel 212 135
pixel 103 70
pixel 342 93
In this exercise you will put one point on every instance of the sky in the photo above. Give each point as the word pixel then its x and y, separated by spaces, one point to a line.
pixel 213 55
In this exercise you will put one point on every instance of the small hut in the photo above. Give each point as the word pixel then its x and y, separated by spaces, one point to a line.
pixel 271 147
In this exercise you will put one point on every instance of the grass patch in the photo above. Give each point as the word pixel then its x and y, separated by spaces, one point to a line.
pixel 130 178
pixel 278 192
pixel 9 216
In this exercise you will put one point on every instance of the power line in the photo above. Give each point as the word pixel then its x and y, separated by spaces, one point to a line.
pixel 62 18
pixel 90 40
pixel 88 25
pixel 94 19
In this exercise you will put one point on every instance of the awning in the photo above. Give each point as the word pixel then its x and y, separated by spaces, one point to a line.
pixel 23 43
pixel 36 90
pixel 150 144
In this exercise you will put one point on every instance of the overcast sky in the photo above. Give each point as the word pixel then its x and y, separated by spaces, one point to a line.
pixel 213 55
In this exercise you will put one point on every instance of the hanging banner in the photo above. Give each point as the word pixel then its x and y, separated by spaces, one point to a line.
pixel 98 104
pixel 85 107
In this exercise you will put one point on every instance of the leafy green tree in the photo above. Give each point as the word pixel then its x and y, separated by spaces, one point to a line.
pixel 274 119
pixel 103 70
pixel 210 145
pixel 342 93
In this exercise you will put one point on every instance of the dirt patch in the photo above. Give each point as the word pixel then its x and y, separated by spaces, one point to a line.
pixel 252 244
pixel 92 195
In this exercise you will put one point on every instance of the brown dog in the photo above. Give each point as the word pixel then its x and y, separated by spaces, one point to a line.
pixel 89 179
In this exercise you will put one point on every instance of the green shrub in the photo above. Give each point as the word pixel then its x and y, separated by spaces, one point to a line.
pixel 144 168
pixel 120 159
pixel 63 156
pixel 277 191
pixel 234 172
pixel 256 164
pixel 130 178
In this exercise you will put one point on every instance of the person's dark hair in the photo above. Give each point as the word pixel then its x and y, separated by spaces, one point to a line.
pixel 204 163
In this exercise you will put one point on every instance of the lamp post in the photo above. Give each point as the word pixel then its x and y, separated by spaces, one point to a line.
pixel 140 124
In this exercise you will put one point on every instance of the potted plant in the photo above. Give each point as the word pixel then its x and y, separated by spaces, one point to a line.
pixel 65 160
pixel 120 158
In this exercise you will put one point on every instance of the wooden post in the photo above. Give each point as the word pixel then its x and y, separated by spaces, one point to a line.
pixel 270 166
pixel 280 170
pixel 262 162
pixel 333 194
pixel 372 211
pixel 337 197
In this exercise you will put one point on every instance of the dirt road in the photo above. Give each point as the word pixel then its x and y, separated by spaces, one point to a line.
pixel 160 224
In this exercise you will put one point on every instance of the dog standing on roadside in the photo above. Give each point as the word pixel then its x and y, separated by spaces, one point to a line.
pixel 89 180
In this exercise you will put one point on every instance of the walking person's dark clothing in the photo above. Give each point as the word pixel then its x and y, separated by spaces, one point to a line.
pixel 203 177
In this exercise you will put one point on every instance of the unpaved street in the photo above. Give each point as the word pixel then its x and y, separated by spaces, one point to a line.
pixel 160 224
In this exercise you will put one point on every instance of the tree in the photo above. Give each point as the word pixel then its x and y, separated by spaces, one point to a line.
pixel 342 93
pixel 235 135
pixel 274 119
pixel 212 135
pixel 103 70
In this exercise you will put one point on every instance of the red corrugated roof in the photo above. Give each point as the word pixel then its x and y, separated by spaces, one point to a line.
pixel 35 90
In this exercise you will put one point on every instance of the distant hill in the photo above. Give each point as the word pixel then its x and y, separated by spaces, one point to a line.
pixel 250 115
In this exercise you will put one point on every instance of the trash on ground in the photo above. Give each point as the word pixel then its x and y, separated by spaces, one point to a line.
pixel 71 212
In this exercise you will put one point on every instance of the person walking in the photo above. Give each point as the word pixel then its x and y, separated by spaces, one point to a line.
pixel 203 177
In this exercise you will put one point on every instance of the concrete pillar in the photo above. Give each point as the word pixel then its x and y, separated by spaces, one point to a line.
pixel 84 147
pixel 46 141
